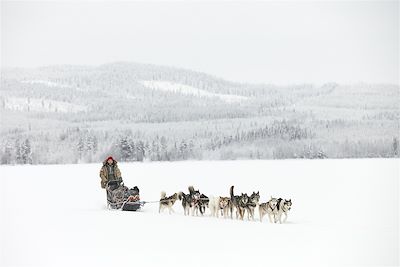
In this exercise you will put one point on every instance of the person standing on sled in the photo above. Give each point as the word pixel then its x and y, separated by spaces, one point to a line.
pixel 110 173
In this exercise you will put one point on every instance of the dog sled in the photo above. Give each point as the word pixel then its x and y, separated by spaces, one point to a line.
pixel 120 196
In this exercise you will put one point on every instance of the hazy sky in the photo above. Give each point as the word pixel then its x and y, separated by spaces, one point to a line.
pixel 265 42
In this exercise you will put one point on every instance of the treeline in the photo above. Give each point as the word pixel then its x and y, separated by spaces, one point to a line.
pixel 19 153
pixel 275 140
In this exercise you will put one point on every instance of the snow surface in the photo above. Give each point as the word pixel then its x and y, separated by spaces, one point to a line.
pixel 345 212
pixel 168 86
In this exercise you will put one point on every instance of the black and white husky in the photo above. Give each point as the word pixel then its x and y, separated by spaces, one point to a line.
pixel 167 202
pixel 186 202
pixel 203 203
pixel 193 201
pixel 283 207
pixel 275 207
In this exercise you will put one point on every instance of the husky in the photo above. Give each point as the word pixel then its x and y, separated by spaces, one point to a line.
pixel 283 207
pixel 223 206
pixel 253 202
pixel 213 205
pixel 194 200
pixel 191 201
pixel 269 208
pixel 243 202
pixel 234 203
pixel 186 202
pixel 203 203
pixel 239 203
pixel 167 202
pixel 220 205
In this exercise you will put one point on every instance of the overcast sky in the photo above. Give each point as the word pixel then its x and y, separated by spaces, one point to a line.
pixel 250 42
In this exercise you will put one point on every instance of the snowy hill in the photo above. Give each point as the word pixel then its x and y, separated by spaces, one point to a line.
pixel 140 111
pixel 345 213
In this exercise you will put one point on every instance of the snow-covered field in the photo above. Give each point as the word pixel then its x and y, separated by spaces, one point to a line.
pixel 345 212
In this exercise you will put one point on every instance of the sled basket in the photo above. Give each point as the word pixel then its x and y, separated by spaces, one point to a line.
pixel 120 196
pixel 132 206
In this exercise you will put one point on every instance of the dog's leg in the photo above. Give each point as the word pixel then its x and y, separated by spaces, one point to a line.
pixel 278 217
pixel 284 220
pixel 159 208
pixel 270 219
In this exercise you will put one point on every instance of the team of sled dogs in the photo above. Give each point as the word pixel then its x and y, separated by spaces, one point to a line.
pixel 195 202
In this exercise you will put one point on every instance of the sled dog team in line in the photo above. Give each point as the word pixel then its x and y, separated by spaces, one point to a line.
pixel 195 202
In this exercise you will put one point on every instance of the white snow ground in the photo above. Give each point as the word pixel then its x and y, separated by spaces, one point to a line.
pixel 345 212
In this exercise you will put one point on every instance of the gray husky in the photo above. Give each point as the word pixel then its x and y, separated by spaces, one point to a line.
pixel 251 206
pixel 239 203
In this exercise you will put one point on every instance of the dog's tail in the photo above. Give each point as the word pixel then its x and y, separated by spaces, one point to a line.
pixel 163 194
pixel 191 189
pixel 180 196
pixel 231 191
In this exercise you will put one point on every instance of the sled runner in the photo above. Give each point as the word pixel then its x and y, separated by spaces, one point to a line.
pixel 120 196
